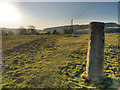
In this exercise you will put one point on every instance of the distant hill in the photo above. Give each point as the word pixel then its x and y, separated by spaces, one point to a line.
pixel 106 30
pixel 111 24
pixel 83 29
pixel 61 28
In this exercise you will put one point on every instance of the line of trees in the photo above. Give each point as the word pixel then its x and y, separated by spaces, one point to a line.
pixel 65 31
pixel 30 31
pixel 21 31
pixel 54 32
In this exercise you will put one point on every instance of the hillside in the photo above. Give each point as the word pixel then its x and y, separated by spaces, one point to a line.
pixel 106 30
pixel 80 27
pixel 61 28
pixel 52 61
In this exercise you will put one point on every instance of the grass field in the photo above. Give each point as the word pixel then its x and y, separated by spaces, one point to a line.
pixel 52 61
pixel 106 30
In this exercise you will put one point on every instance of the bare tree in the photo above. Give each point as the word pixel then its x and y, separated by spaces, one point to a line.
pixel 32 29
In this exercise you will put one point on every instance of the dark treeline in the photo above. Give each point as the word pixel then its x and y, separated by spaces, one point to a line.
pixel 32 31
pixel 20 31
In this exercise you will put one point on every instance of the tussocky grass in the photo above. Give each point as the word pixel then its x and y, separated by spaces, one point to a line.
pixel 53 61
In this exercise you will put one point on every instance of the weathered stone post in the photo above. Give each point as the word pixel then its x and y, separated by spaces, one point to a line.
pixel 95 55
pixel 94 75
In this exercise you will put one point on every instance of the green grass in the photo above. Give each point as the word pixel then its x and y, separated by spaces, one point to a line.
pixel 86 29
pixel 16 40
pixel 112 27
pixel 106 30
pixel 52 61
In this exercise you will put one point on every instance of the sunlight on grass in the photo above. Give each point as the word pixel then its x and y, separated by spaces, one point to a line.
pixel 52 61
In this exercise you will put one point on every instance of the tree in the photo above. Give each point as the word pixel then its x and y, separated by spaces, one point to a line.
pixel 32 29
pixel 54 32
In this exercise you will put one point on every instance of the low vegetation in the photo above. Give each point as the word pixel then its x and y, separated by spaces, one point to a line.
pixel 52 61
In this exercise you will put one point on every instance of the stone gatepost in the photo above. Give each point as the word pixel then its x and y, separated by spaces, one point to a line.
pixel 95 55
pixel 94 75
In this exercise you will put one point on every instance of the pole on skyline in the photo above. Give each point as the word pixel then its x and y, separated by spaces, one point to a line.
pixel 72 24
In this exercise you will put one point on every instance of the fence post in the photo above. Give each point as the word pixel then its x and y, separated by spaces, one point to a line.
pixel 95 55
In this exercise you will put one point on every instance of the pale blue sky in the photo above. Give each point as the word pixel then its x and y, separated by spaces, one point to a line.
pixel 50 14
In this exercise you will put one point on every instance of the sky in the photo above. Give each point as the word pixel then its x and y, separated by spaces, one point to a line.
pixel 51 14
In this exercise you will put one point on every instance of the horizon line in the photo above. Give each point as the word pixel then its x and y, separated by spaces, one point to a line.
pixel 54 26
